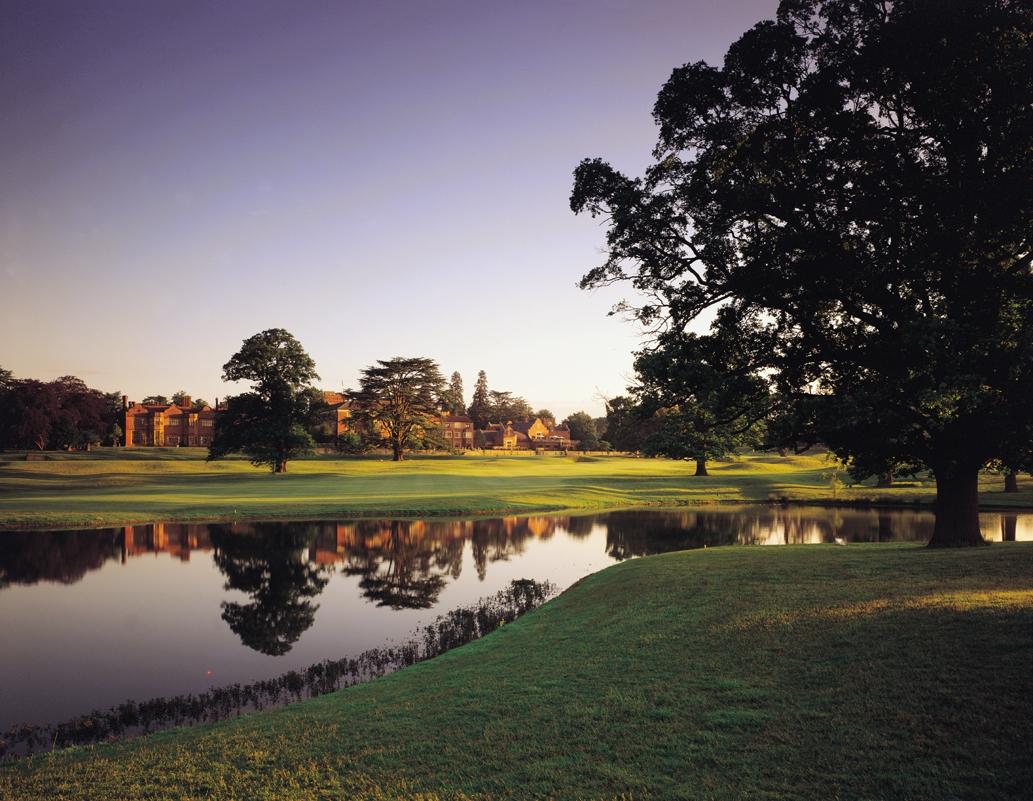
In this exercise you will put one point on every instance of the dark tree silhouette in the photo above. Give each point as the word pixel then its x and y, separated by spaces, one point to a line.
pixel 858 173
pixel 397 403
pixel 270 423
pixel 453 400
pixel 269 562
pixel 480 405
pixel 708 392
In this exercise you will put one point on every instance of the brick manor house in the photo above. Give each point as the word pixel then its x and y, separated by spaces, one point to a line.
pixel 168 425
pixel 182 424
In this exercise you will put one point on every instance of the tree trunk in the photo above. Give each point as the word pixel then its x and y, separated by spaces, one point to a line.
pixel 783 452
pixel 884 480
pixel 1008 527
pixel 957 508
pixel 397 453
pixel 281 466
pixel 1011 481
pixel 701 466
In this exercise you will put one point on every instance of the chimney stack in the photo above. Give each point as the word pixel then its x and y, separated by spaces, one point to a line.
pixel 125 402
pixel 185 402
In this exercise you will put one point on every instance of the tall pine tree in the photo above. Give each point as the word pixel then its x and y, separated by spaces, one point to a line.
pixel 453 397
pixel 480 406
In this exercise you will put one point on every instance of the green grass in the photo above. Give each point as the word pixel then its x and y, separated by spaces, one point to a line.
pixel 111 488
pixel 802 672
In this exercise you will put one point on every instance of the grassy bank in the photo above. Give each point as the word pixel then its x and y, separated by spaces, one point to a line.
pixel 811 672
pixel 109 488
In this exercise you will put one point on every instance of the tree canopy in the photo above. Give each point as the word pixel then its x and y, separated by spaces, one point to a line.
pixel 59 414
pixel 480 405
pixel 708 392
pixel 397 403
pixel 583 430
pixel 270 423
pixel 857 175
pixel 453 400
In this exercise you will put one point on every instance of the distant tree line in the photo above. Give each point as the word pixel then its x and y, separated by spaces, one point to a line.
pixel 62 414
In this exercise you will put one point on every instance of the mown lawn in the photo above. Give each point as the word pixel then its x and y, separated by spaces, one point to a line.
pixel 803 672
pixel 108 488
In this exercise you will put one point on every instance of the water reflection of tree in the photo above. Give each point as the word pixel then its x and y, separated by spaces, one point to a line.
pixel 269 562
pixel 28 557
pixel 642 533
pixel 403 563
pixel 631 534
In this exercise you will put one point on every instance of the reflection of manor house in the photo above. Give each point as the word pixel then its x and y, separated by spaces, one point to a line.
pixel 535 434
pixel 168 425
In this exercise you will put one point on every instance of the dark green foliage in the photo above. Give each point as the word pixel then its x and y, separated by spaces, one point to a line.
pixel 155 400
pixel 397 404
pixel 480 405
pixel 505 407
pixel 707 391
pixel 270 423
pixel 858 175
pixel 63 414
pixel 452 400
pixel 582 430
pixel 627 426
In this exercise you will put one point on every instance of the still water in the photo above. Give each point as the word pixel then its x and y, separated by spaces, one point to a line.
pixel 89 619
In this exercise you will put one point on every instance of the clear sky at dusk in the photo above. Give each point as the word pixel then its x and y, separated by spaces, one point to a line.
pixel 380 179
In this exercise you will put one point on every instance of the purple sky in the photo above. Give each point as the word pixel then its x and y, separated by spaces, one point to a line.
pixel 379 178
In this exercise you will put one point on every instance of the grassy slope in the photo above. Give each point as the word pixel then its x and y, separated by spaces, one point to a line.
pixel 866 671
pixel 158 484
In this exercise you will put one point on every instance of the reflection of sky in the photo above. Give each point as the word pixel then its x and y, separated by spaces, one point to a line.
pixel 152 626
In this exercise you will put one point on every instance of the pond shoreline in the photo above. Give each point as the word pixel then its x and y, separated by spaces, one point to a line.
pixel 534 686
pixel 521 511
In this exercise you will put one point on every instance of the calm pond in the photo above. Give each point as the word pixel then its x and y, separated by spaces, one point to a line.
pixel 93 618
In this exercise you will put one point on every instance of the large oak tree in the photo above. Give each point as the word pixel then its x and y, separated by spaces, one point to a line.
pixel 270 423
pixel 858 172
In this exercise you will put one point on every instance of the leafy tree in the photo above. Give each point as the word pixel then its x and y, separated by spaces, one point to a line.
pixel 858 172
pixel 480 405
pixel 707 389
pixel 64 413
pixel 546 417
pixel 269 423
pixel 582 429
pixel 506 407
pixel 27 413
pixel 200 403
pixel 155 400
pixel 6 379
pixel 627 424
pixel 397 403
pixel 453 400
pixel 179 397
